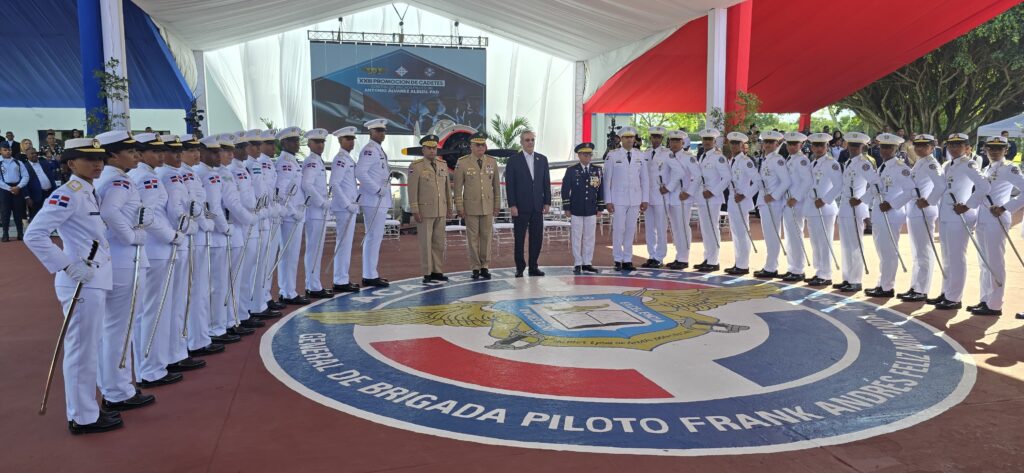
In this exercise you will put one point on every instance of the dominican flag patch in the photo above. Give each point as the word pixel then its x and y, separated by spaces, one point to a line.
pixel 214 179
pixel 190 177
pixel 286 168
pixel 241 176
pixel 122 184
pixel 151 184
pixel 176 179
pixel 265 165
pixel 59 200
pixel 310 165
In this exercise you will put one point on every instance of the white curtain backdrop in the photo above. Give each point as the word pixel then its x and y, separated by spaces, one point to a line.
pixel 269 78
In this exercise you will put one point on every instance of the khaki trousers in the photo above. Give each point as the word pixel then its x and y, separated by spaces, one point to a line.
pixel 431 235
pixel 479 229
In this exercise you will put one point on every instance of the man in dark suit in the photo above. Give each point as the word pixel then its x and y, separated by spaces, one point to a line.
pixel 41 181
pixel 13 144
pixel 528 188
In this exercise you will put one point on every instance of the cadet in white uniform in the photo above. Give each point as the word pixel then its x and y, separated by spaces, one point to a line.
pixel 714 179
pixel 995 209
pixel 853 211
pixel 271 244
pixel 742 173
pixel 798 167
pixel 921 219
pixel 263 186
pixel 773 183
pixel 289 187
pixel 890 190
pixel 950 193
pixel 345 207
pixel 314 185
pixel 679 175
pixel 655 218
pixel 374 174
pixel 240 217
pixel 819 207
pixel 74 211
pixel 627 188
pixel 121 210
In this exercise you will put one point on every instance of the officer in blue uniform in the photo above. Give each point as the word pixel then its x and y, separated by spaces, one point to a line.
pixel 582 198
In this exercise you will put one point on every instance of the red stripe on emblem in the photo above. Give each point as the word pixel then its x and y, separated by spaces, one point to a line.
pixel 438 357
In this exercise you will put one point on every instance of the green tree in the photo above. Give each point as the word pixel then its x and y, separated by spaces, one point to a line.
pixel 963 84
pixel 505 134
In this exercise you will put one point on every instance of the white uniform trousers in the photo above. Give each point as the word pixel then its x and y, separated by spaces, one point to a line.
pixel 346 228
pixel 249 298
pixel 175 307
pixel 710 232
pixel 238 308
pixel 623 232
pixel 582 230
pixel 771 227
pixel 851 229
pixel 888 259
pixel 314 253
pixel 993 244
pixel 739 223
pixel 794 223
pixel 656 232
pixel 267 253
pixel 679 220
pixel 373 219
pixel 115 383
pixel 821 240
pixel 954 238
pixel 154 366
pixel 921 232
pixel 201 299
pixel 220 313
pixel 258 301
pixel 287 270
pixel 81 351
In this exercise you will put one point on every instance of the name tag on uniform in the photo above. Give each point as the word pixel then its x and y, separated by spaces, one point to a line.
pixel 94 213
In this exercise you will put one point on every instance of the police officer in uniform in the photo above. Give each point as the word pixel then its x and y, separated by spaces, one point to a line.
pixel 293 198
pixel 477 199
pixel 627 190
pixel 582 197
pixel 890 189
pixel 852 211
pixel 74 211
pixel 314 184
pixel 798 167
pixel 773 183
pixel 655 218
pixel 431 204
pixel 714 179
pixel 679 186
pixel 374 174
pixel 345 207
pixel 995 209
pixel 921 219
pixel 819 207
pixel 14 177
pixel 742 174
pixel 950 193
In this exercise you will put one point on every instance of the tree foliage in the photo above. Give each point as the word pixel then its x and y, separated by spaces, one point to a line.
pixel 963 84
pixel 505 134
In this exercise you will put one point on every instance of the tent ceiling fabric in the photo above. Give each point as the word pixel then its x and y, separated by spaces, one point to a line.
pixel 571 29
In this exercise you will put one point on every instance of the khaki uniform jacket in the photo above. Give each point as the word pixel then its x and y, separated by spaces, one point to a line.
pixel 477 189
pixel 429 192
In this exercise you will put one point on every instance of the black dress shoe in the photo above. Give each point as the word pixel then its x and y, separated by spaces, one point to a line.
pixel 915 297
pixel 841 284
pixel 707 268
pixel 519 274
pixel 109 413
pixel 169 378
pixel 535 272
pixel 677 265
pixel 5 239
pixel 941 298
pixel 252 323
pixel 590 269
pixel 766 274
pixel 879 292
pixel 649 264
pixel 376 282
pixel 618 266
pixel 1019 316
pixel 948 305
pixel 972 308
pixel 577 269
pixel 346 287
pixel 188 364
pixel 737 271
pixel 905 294
pixel 439 277
pixel 226 338
pixel 476 274
pixel 103 424
pixel 426 279
pixel 818 282
pixel 851 288
pixel 267 314
pixel 240 330
pixel 628 266
pixel 485 273
pixel 274 305
pixel 793 277
pixel 985 310
pixel 321 294
pixel 297 300
pixel 212 348
pixel 134 402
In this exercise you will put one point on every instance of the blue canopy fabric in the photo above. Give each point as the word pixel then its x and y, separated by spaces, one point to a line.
pixel 40 64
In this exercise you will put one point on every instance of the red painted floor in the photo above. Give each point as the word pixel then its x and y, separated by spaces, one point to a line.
pixel 234 416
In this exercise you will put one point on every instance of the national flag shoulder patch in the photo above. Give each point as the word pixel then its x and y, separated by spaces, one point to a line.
pixel 151 184
pixel 214 179
pixel 122 184
pixel 59 200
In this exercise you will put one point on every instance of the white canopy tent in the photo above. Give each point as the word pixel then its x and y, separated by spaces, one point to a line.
pixel 1014 125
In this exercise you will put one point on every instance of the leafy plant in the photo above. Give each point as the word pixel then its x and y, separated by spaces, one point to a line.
pixel 505 134
pixel 112 88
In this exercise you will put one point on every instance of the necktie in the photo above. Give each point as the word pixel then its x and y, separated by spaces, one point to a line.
pixel 629 156
pixel 480 162
pixel 881 168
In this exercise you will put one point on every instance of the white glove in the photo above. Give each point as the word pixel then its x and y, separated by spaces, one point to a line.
pixel 140 237
pixel 227 232
pixel 80 271
pixel 147 218
pixel 179 239
pixel 352 208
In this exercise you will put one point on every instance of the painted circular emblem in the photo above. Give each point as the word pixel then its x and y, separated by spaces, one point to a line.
pixel 654 362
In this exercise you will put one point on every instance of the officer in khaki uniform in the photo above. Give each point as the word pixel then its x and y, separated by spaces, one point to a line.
pixel 431 204
pixel 477 195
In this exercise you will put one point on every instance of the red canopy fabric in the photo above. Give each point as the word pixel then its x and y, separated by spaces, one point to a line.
pixel 804 54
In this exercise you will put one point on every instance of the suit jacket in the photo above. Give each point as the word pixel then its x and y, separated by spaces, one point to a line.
pixel 528 194
pixel 15 147
pixel 34 189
